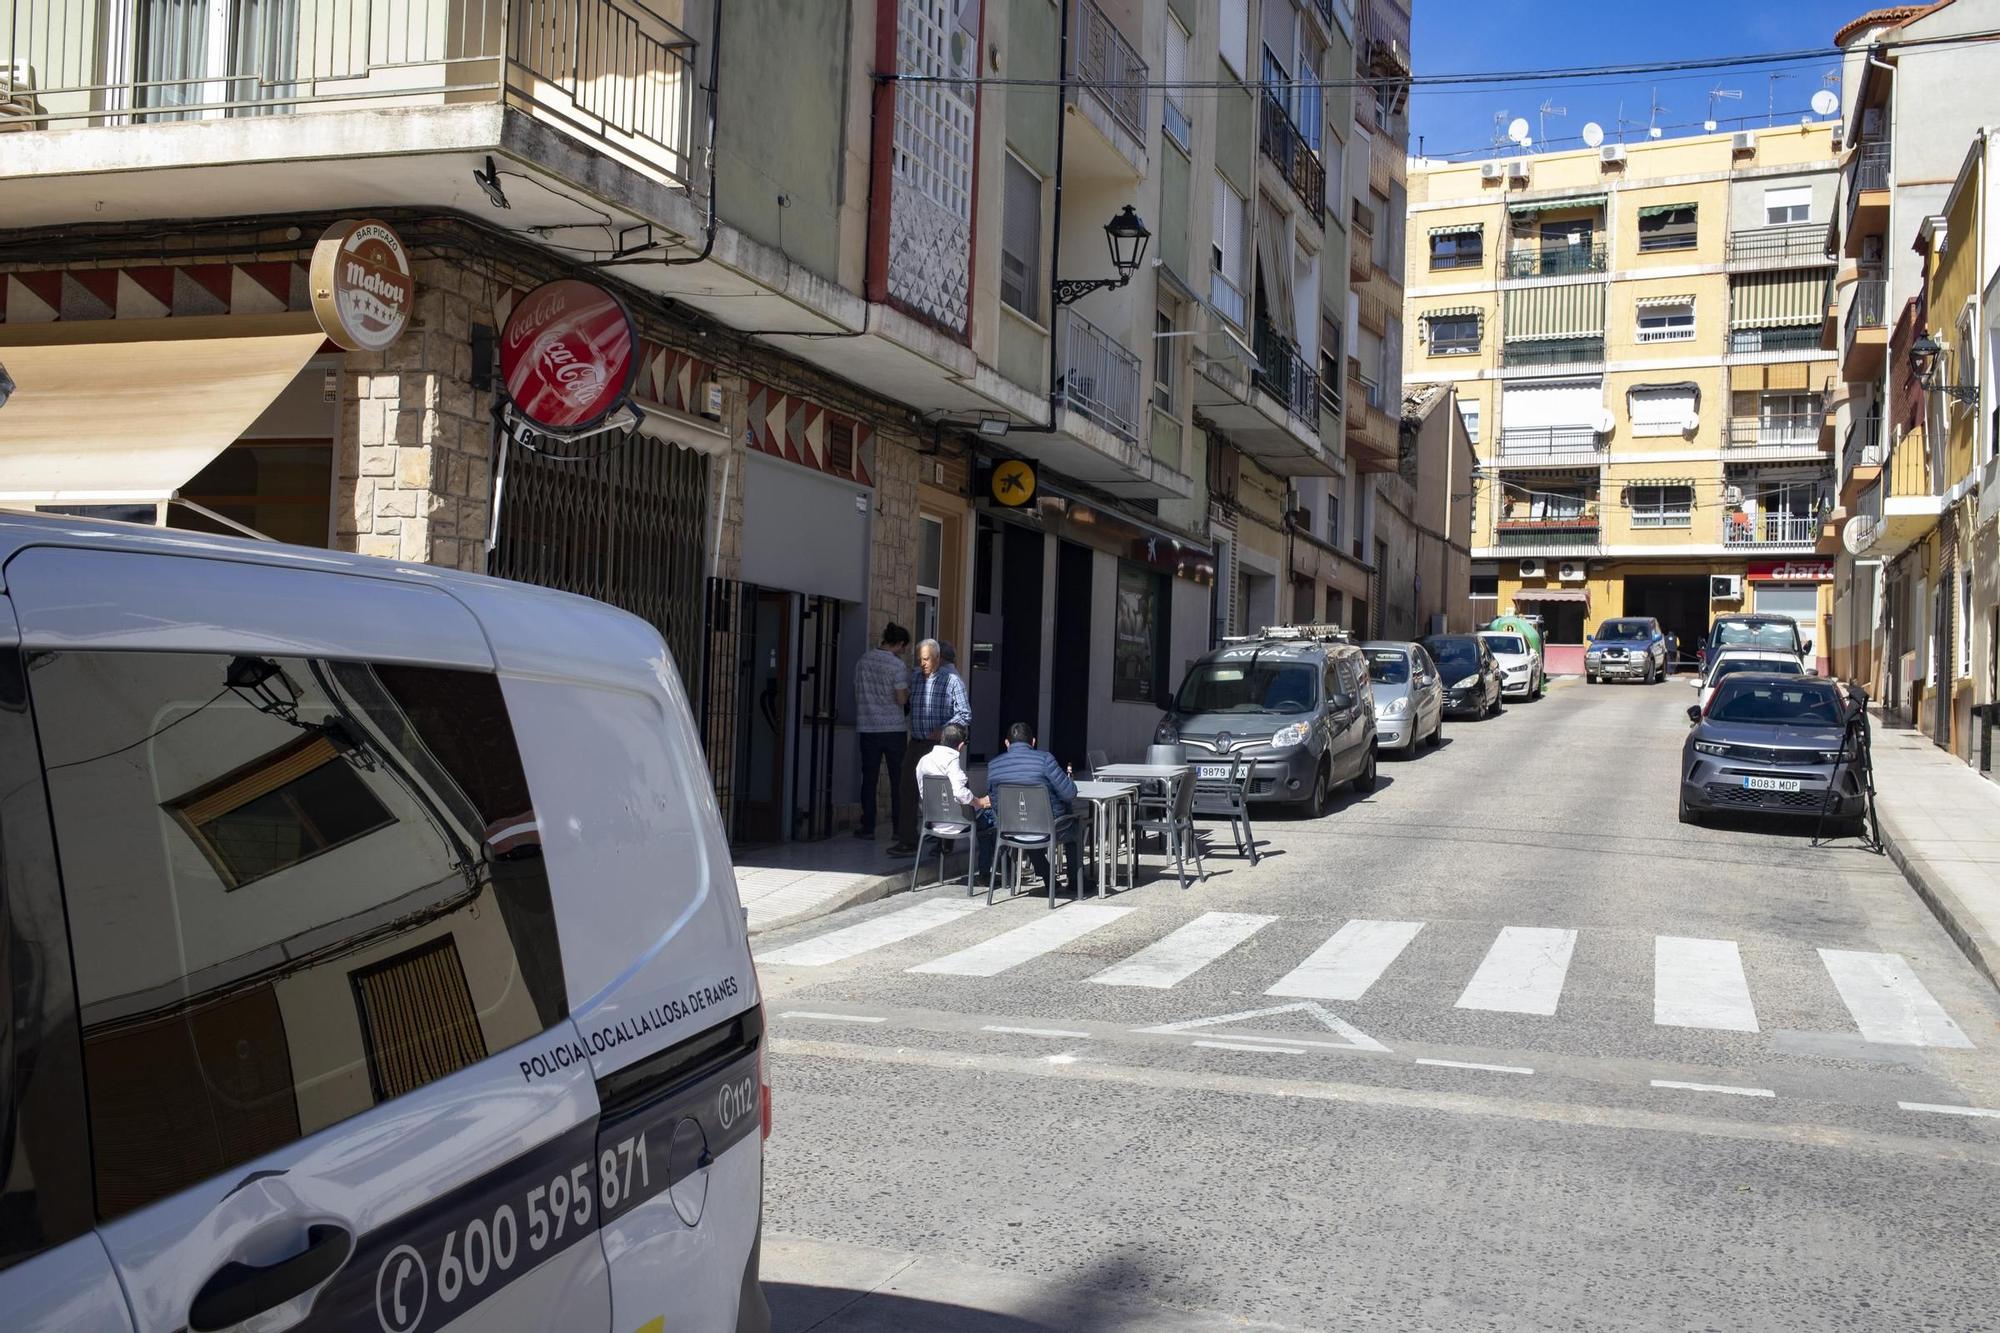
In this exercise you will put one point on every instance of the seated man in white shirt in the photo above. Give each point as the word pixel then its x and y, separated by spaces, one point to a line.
pixel 947 760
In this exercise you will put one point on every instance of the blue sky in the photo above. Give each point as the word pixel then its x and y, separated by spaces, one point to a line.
pixel 1455 36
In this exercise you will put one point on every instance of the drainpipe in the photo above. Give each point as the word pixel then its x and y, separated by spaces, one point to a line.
pixel 1055 245
pixel 714 69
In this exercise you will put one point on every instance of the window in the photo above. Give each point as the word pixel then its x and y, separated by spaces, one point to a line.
pixel 930 574
pixel 1173 105
pixel 1333 517
pixel 1468 411
pixel 1225 252
pixel 1385 107
pixel 1164 344
pixel 1964 623
pixel 1661 409
pixel 1021 240
pixel 1335 158
pixel 1486 585
pixel 1459 249
pixel 1309 94
pixel 1660 506
pixel 1787 203
pixel 1666 227
pixel 1233 40
pixel 1333 608
pixel 1666 321
pixel 1378 208
pixel 335 853
pixel 1453 333
pixel 1139 644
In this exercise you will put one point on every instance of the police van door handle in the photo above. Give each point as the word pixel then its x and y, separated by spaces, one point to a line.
pixel 239 1291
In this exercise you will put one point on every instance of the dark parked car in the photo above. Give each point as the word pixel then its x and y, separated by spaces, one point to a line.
pixel 1770 743
pixel 1627 648
pixel 1471 675
pixel 1780 633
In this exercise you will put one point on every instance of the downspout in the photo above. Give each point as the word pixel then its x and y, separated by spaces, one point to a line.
pixel 714 71
pixel 1055 244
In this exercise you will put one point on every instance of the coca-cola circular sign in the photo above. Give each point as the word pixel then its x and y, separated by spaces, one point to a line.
pixel 567 355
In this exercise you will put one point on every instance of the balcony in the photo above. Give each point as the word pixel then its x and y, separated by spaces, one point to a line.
pixel 1770 532
pixel 1226 297
pixel 1864 338
pixel 1372 434
pixel 1803 339
pixel 1795 245
pixel 1287 376
pixel 611 73
pixel 1100 377
pixel 1329 383
pixel 1293 156
pixel 1867 188
pixel 1110 87
pixel 1556 261
pixel 1787 435
pixel 1548 536
pixel 1361 243
pixel 1545 352
pixel 1542 445
pixel 1862 455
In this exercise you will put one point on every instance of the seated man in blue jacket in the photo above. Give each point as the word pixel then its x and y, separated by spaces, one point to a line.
pixel 1023 765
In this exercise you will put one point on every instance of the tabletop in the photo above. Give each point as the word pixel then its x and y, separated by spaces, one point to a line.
pixel 1093 790
pixel 1149 772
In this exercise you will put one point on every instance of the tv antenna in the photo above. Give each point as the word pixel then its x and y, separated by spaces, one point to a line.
pixel 1500 139
pixel 1545 111
pixel 1653 130
pixel 1719 94
pixel 1771 97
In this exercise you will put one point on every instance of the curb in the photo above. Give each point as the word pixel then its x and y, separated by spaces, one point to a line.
pixel 1982 952
pixel 867 891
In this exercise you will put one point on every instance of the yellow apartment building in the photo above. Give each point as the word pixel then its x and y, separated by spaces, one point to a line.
pixel 1634 334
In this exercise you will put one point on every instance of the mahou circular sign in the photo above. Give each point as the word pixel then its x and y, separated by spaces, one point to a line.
pixel 567 355
pixel 362 290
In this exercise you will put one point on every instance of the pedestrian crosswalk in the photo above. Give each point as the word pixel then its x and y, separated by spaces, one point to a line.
pixel 1696 983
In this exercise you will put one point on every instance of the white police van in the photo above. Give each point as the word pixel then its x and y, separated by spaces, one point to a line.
pixel 370 956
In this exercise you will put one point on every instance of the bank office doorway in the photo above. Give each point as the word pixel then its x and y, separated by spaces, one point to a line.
pixel 1004 668
pixel 1678 601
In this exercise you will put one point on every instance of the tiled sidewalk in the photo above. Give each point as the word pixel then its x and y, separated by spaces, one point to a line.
pixel 788 882
pixel 1941 822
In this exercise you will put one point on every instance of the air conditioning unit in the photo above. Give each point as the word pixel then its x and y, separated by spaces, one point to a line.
pixel 1725 587
pixel 1744 141
pixel 1571 571
pixel 1871 251
pixel 1732 495
pixel 1611 154
pixel 18 108
pixel 1871 122
pixel 1492 171
pixel 1517 168
pixel 1532 569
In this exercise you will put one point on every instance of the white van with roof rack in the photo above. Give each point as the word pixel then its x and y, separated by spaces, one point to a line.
pixel 376 959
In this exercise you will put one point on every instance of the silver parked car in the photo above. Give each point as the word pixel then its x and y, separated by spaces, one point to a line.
pixel 1409 696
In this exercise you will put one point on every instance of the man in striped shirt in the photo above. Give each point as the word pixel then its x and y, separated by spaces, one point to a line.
pixel 881 693
pixel 937 699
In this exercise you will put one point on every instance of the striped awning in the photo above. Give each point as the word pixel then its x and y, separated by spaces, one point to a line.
pixel 1654 210
pixel 1459 229
pixel 1778 299
pixel 1451 311
pixel 1648 483
pixel 1556 205
pixel 1646 302
pixel 1570 310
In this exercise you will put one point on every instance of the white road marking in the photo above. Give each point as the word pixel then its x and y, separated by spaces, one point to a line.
pixel 1938 1109
pixel 1699 984
pixel 839 945
pixel 1462 1064
pixel 1357 1040
pixel 1713 1087
pixel 1522 973
pixel 830 1018
pixel 1170 961
pixel 1033 1032
pixel 1024 943
pixel 1350 962
pixel 1889 1004
pixel 1246 1046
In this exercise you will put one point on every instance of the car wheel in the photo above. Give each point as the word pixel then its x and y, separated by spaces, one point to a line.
pixel 1646 674
pixel 1437 731
pixel 1689 816
pixel 1315 805
pixel 1364 782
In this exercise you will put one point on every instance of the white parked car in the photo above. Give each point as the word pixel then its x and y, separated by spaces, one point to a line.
pixel 1521 671
pixel 1731 660
pixel 378 962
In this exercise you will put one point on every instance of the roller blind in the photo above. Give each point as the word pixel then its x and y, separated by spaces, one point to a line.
pixel 1661 408
pixel 1572 310
pixel 1768 300
pixel 1550 403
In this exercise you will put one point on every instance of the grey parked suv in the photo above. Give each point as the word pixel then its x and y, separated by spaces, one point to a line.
pixel 1295 700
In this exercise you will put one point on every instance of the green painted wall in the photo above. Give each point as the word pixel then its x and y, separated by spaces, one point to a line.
pixel 1175 205
pixel 1024 354
pixel 779 122
pixel 1034 44
pixel 1235 133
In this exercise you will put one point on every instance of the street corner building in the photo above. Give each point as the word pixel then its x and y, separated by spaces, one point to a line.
pixel 964 316
pixel 1634 336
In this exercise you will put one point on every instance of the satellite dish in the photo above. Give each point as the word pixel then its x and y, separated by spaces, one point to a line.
pixel 1517 129
pixel 1708 125
pixel 1858 534
pixel 1691 422
pixel 1528 141
pixel 1593 134
pixel 1825 102
pixel 1605 422
pixel 1652 131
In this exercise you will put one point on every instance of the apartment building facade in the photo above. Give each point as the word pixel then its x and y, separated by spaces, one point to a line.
pixel 864 246
pixel 1632 332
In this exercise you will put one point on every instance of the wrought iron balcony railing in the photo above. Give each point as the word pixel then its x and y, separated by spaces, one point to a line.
pixel 1550 444
pixel 1100 377
pixel 1770 530
pixel 1794 338
pixel 609 71
pixel 1871 166
pixel 1329 382
pixel 1286 147
pixel 1788 428
pixel 1569 533
pixel 1226 297
pixel 1110 67
pixel 1867 307
pixel 1285 375
pixel 1552 261
pixel 1552 352
pixel 1797 242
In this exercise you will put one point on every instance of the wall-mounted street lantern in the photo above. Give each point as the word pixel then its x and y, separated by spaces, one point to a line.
pixel 1924 366
pixel 1128 236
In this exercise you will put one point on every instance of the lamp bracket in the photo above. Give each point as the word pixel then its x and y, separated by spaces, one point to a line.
pixel 1069 290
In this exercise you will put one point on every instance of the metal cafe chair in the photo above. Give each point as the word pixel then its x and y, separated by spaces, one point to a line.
pixel 1026 824
pixel 1155 794
pixel 945 823
pixel 1177 827
pixel 1094 760
pixel 1229 797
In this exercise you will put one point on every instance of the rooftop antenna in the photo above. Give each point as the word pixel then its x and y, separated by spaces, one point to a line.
pixel 1771 97
pixel 1719 94
pixel 1624 124
pixel 1546 110
pixel 1500 139
pixel 1653 130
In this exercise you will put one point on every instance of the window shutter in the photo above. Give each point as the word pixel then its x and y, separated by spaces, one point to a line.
pixel 1021 240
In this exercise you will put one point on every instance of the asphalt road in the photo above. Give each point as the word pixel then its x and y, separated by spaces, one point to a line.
pixel 1456 1117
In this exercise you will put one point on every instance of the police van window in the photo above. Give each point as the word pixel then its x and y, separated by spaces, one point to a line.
pixel 296 888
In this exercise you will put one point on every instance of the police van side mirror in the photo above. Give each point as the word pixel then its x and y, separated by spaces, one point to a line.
pixel 1694 712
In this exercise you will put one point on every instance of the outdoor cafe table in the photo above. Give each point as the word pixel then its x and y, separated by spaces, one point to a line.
pixel 1170 775
pixel 1113 805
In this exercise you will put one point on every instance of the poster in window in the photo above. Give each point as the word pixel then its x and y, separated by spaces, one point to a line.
pixel 1138 647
